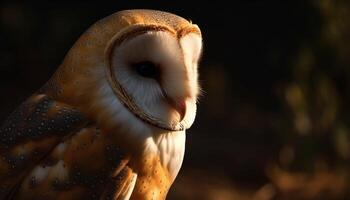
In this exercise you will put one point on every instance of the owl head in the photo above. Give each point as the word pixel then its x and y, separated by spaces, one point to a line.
pixel 135 67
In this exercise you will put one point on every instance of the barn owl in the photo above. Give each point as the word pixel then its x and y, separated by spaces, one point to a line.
pixel 111 122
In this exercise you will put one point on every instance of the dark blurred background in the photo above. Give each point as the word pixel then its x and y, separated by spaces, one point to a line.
pixel 273 122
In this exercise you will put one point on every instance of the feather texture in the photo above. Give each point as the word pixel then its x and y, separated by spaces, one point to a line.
pixel 99 130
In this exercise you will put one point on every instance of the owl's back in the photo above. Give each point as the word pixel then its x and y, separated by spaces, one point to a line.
pixel 49 150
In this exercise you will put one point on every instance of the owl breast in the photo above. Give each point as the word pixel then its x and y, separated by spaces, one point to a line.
pixel 158 166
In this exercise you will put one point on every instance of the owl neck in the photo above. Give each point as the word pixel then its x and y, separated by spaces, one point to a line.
pixel 170 148
pixel 166 150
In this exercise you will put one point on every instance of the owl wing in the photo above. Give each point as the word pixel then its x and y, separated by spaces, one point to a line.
pixel 49 150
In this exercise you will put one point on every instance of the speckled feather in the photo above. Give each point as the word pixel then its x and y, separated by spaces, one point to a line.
pixel 50 151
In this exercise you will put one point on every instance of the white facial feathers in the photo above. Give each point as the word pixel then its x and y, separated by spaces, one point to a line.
pixel 191 45
pixel 176 61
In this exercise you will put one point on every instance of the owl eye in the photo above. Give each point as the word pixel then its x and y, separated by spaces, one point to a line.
pixel 147 69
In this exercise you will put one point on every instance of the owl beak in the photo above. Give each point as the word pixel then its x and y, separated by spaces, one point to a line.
pixel 181 108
